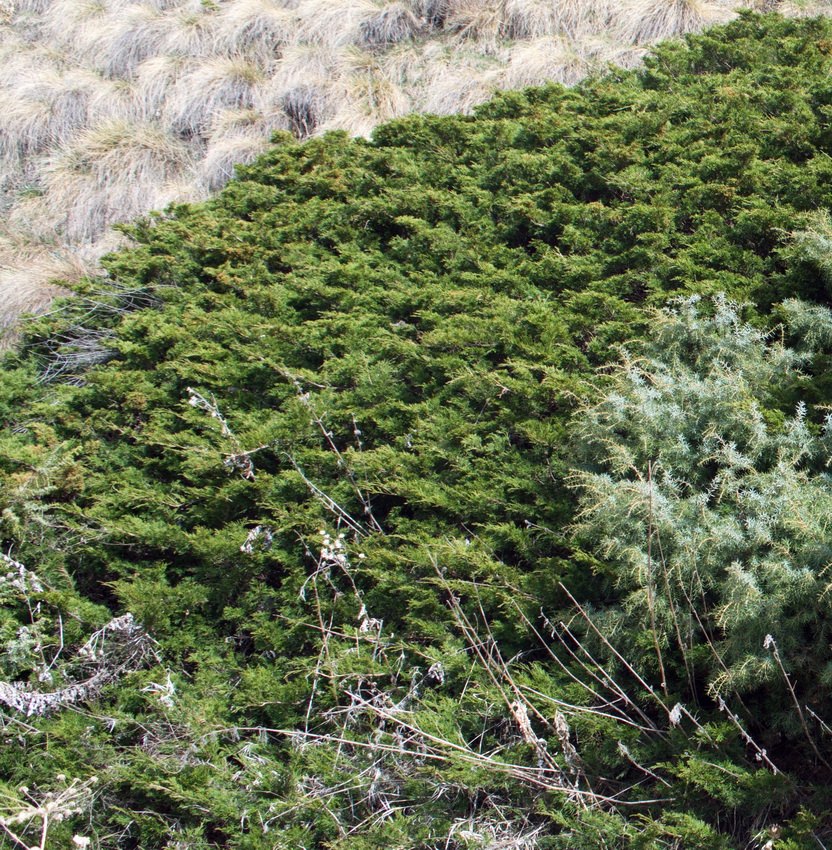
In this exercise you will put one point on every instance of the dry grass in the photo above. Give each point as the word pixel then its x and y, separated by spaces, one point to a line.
pixel 110 108
pixel 332 24
pixel 552 58
pixel 798 8
pixel 393 22
pixel 457 80
pixel 191 30
pixel 217 166
pixel 367 94
pixel 30 288
pixel 307 107
pixel 73 27
pixel 219 83
pixel 301 89
pixel 130 37
pixel 28 281
pixel 155 78
pixel 259 28
pixel 108 174
pixel 534 19
pixel 479 21
pixel 236 137
pixel 647 21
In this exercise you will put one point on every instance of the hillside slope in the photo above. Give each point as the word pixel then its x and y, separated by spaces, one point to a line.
pixel 296 563
pixel 111 109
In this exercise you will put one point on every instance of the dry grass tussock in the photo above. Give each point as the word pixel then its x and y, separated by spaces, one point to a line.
pixel 645 21
pixel 107 174
pixel 214 85
pixel 28 281
pixel 533 19
pixel 110 108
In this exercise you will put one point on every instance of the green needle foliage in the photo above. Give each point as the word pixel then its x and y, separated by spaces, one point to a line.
pixel 318 438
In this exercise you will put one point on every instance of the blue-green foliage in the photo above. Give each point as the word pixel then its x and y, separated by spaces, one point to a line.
pixel 715 520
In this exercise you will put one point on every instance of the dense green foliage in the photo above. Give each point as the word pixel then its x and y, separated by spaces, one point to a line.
pixel 388 340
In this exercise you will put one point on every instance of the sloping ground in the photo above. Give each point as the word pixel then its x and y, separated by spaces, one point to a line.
pixel 386 340
pixel 109 109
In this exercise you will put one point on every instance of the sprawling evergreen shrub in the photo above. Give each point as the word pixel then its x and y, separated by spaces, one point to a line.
pixel 387 340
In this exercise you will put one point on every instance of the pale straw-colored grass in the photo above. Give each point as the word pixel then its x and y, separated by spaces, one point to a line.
pixel 405 61
pixel 24 125
pixel 457 80
pixel 804 8
pixel 129 37
pixel 302 89
pixel 260 29
pixel 28 289
pixel 30 7
pixel 112 172
pixel 66 98
pixel 479 21
pixel 433 12
pixel 306 107
pixel 625 55
pixel 155 81
pixel 393 22
pixel 533 19
pixel 306 63
pixel 79 29
pixel 460 93
pixel 232 123
pixel 213 85
pixel 20 60
pixel 192 30
pixel 30 281
pixel 116 99
pixel 648 21
pixel 333 24
pixel 216 168
pixel 367 95
pixel 555 59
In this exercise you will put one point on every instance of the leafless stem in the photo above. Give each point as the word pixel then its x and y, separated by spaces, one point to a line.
pixel 771 644
pixel 651 590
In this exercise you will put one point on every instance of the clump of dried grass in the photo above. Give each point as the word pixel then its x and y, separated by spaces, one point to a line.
pixel 258 28
pixel 534 19
pixel 192 30
pixel 155 80
pixel 217 167
pixel 237 137
pixel 798 8
pixel 367 94
pixel 301 89
pixel 647 21
pixel 30 280
pixel 218 83
pixel 394 22
pixel 76 29
pixel 129 38
pixel 479 21
pixel 559 60
pixel 457 80
pixel 332 24
pixel 108 174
